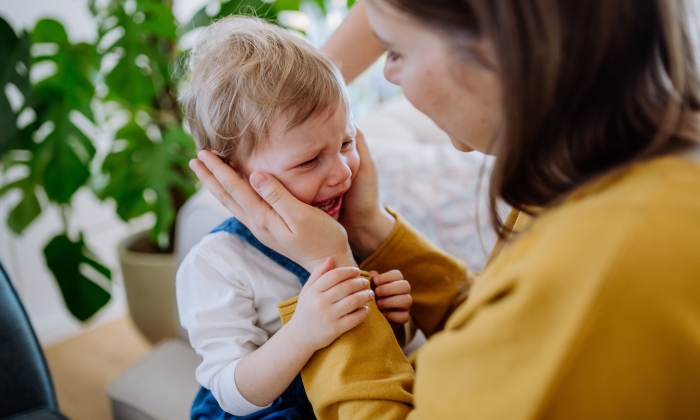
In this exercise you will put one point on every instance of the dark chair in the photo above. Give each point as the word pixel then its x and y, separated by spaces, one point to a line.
pixel 26 391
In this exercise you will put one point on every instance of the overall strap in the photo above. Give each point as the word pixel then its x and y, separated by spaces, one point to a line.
pixel 235 227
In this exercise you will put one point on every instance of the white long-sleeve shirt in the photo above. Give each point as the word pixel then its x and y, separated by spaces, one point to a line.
pixel 227 293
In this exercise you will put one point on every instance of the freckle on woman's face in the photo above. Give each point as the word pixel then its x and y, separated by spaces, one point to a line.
pixel 460 94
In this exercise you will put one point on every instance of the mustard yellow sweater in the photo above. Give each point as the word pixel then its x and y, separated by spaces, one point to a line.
pixel 592 312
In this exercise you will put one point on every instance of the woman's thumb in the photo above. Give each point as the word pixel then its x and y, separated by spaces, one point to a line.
pixel 273 192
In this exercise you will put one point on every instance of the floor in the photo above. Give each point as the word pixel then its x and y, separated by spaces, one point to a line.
pixel 82 367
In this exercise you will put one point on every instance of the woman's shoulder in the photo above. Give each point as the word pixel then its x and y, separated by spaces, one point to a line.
pixel 644 221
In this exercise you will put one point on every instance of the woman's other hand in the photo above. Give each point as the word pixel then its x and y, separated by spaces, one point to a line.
pixel 299 231
pixel 366 221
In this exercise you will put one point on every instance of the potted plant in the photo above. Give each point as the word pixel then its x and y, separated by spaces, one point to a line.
pixel 132 71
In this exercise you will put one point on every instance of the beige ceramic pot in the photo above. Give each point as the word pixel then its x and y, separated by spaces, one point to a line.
pixel 149 281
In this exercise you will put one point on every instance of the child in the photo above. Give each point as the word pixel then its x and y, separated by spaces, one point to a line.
pixel 266 101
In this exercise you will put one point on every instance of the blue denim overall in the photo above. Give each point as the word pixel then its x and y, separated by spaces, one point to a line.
pixel 293 403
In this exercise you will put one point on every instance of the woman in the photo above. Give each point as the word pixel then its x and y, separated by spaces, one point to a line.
pixel 592 307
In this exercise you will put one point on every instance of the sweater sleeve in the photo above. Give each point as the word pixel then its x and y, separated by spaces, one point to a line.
pixel 439 282
pixel 362 375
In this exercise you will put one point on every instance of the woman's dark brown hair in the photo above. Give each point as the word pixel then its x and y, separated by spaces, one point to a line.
pixel 588 86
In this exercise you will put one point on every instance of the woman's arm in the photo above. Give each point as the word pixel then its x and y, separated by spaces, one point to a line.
pixel 353 45
pixel 362 375
pixel 439 281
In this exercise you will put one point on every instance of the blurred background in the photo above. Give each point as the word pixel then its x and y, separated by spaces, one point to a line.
pixel 98 205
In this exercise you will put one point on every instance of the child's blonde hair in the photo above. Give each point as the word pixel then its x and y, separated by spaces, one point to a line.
pixel 243 73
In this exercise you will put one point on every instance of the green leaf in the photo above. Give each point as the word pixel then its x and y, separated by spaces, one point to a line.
pixel 27 210
pixel 144 165
pixel 15 63
pixel 259 8
pixel 61 162
pixel 50 31
pixel 82 296
pixel 149 42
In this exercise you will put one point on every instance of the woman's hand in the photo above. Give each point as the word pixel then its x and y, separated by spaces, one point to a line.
pixel 364 218
pixel 393 296
pixel 331 303
pixel 301 232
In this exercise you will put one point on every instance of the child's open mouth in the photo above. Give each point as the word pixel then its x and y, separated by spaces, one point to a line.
pixel 332 206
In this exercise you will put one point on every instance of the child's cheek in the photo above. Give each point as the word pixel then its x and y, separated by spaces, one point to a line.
pixel 354 164
pixel 299 189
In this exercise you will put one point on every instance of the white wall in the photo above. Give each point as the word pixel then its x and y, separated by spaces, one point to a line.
pixel 23 256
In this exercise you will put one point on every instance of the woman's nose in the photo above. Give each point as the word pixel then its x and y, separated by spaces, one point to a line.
pixel 392 73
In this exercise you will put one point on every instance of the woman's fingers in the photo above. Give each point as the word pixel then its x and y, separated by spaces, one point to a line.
pixel 237 189
pixel 216 189
pixel 280 199
pixel 401 287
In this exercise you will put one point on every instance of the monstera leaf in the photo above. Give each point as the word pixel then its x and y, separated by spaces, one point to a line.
pixel 143 174
pixel 144 49
pixel 72 263
pixel 55 153
pixel 58 162
pixel 15 59
pixel 260 8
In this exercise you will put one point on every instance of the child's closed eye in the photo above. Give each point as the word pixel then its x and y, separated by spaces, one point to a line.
pixel 308 163
pixel 348 144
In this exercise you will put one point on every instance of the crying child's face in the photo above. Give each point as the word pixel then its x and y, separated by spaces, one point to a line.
pixel 316 161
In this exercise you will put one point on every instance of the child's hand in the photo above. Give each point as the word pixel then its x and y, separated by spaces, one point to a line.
pixel 393 295
pixel 331 303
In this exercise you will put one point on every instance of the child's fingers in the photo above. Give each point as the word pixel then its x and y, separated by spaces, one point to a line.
pixel 351 303
pixel 395 302
pixel 397 317
pixel 353 319
pixel 401 287
pixel 322 269
pixel 387 277
pixel 335 276
pixel 346 288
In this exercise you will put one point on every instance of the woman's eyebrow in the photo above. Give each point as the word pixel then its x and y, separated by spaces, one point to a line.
pixel 381 40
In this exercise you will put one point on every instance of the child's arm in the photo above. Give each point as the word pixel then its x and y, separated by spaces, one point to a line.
pixel 331 303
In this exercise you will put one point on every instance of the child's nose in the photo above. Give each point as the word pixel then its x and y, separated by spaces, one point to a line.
pixel 340 172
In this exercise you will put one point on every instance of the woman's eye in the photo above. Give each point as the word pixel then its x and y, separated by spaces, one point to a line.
pixel 392 56
pixel 308 163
